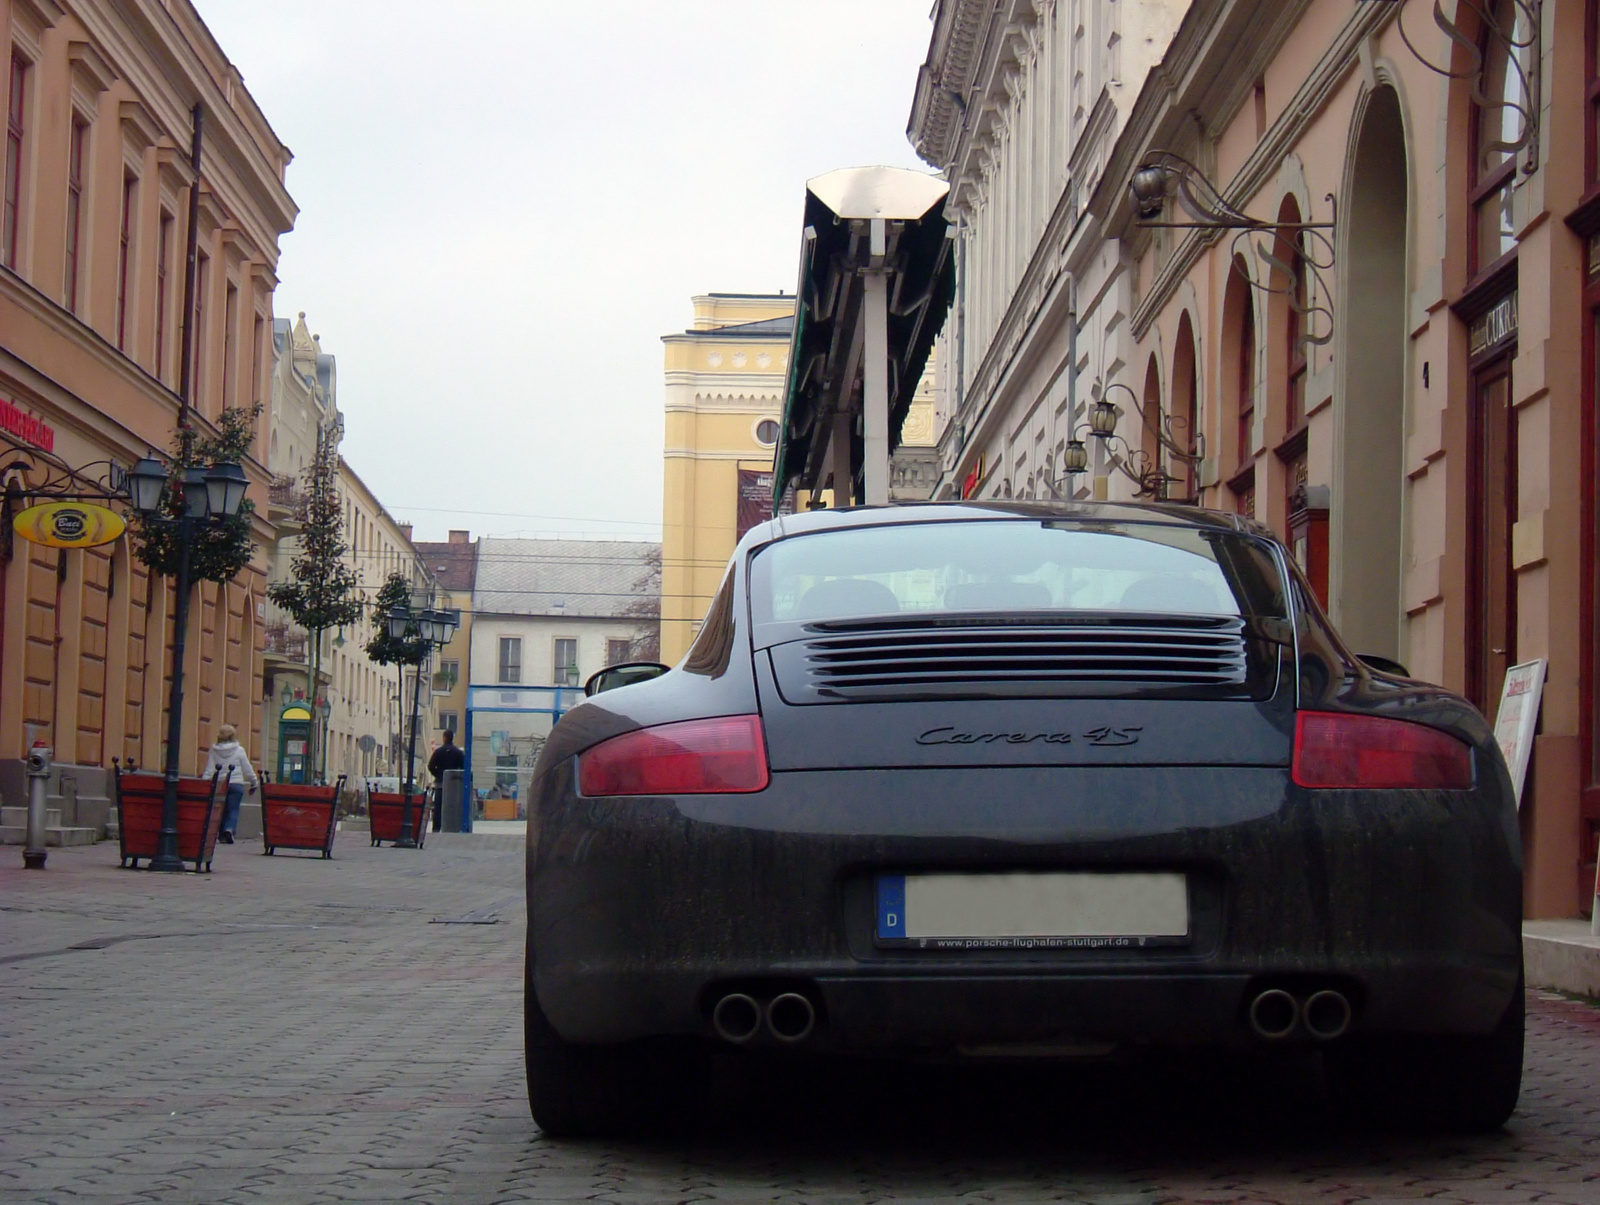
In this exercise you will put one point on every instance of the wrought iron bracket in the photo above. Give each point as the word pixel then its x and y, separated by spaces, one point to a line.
pixel 1164 176
pixel 1530 45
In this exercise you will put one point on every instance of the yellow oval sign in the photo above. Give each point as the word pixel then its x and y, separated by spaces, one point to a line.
pixel 69 525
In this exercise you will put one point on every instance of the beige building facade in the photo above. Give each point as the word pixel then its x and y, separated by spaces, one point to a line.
pixel 1379 340
pixel 370 704
pixel 94 190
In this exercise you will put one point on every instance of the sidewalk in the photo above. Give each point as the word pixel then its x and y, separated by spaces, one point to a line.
pixel 1561 954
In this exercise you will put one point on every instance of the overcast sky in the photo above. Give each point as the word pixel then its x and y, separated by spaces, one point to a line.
pixel 504 204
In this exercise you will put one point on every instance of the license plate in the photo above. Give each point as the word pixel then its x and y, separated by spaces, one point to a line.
pixel 1032 911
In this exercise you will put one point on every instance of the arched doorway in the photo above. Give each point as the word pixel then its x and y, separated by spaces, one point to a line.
pixel 1368 497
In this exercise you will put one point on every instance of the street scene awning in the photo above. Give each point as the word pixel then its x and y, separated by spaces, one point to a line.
pixel 877 276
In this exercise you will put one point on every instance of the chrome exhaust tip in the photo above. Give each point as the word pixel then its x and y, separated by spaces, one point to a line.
pixel 791 1017
pixel 736 1018
pixel 1327 1015
pixel 1274 1014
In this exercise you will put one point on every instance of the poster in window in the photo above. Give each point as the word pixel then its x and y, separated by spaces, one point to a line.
pixel 755 499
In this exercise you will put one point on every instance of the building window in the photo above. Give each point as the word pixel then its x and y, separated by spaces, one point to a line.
pixel 1247 382
pixel 566 662
pixel 197 332
pixel 257 345
pixel 230 367
pixel 15 131
pixel 75 156
pixel 510 659
pixel 1496 125
pixel 1295 397
pixel 447 722
pixel 617 651
pixel 766 432
pixel 446 677
pixel 130 191
pixel 163 257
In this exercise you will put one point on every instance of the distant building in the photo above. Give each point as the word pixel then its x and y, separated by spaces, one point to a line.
pixel 370 704
pixel 547 614
pixel 454 565
pixel 304 396
pixel 725 378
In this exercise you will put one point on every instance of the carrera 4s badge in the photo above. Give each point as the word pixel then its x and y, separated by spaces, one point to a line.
pixel 1126 735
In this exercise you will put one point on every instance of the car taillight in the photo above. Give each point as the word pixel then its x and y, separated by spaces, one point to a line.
pixel 1353 751
pixel 695 757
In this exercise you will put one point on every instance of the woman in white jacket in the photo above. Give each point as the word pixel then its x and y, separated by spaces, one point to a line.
pixel 228 754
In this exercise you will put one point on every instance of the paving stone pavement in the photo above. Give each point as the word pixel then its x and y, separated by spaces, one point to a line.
pixel 294 1030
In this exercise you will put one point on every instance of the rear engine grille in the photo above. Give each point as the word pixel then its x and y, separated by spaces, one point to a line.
pixel 1178 653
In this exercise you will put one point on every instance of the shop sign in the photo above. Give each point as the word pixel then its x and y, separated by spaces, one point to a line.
pixel 69 525
pixel 1497 326
pixel 1517 717
pixel 16 421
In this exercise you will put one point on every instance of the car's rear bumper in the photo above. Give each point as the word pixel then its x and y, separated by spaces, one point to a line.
pixel 644 912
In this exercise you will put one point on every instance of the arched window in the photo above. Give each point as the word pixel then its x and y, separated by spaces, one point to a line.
pixel 1294 395
pixel 1239 378
pixel 1185 411
pixel 1150 429
pixel 1497 127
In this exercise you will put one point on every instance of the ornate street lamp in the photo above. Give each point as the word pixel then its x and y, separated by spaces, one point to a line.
pixel 210 496
pixel 418 620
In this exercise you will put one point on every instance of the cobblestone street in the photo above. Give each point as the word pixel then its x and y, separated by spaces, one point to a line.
pixel 295 1030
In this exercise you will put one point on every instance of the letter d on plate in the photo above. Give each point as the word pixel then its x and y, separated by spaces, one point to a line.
pixel 891 905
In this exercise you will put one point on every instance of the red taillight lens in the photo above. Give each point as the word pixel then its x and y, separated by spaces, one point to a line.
pixel 1332 750
pixel 696 757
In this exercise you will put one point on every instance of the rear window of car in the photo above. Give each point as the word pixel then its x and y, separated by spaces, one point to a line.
pixel 1006 566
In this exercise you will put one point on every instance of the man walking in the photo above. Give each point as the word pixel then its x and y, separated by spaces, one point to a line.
pixel 446 757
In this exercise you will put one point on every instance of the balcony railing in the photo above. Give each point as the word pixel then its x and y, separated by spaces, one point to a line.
pixel 287 641
pixel 284 495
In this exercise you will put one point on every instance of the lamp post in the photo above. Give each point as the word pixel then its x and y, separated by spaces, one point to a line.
pixel 324 709
pixel 210 496
pixel 420 621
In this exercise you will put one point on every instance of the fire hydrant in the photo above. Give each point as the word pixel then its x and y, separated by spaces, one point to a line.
pixel 33 853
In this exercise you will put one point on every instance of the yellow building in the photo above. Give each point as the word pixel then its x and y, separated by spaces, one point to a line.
pixel 725 378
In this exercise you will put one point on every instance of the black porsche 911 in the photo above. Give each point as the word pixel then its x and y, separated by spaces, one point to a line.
pixel 1023 781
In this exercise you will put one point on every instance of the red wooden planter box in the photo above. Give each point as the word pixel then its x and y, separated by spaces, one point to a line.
pixel 299 817
pixel 200 807
pixel 384 814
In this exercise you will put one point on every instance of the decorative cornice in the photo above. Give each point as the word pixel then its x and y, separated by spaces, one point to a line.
pixel 139 129
pixel 89 68
pixel 946 78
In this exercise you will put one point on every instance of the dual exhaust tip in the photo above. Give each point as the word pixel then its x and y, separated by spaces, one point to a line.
pixel 1276 1014
pixel 789 1017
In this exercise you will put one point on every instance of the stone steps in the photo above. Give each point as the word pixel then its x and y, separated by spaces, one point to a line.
pixel 17 834
pixel 14 829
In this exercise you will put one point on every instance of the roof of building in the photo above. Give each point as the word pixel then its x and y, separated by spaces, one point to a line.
pixel 454 565
pixel 581 578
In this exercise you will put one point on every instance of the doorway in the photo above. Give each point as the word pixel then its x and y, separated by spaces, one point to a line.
pixel 1492 622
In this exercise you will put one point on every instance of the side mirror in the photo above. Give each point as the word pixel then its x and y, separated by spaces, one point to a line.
pixel 614 676
pixel 1383 665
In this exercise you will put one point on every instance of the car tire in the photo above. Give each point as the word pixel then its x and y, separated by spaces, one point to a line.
pixel 592 1090
pixel 1461 1084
